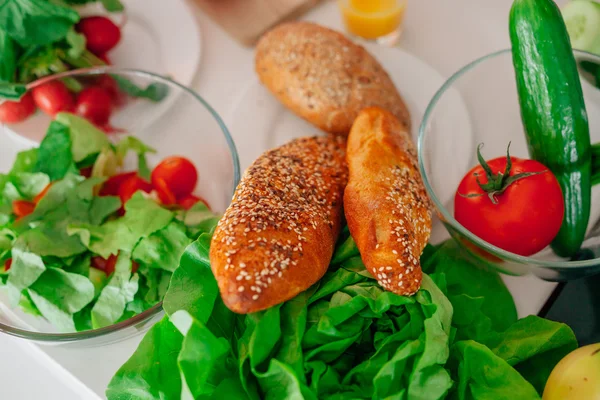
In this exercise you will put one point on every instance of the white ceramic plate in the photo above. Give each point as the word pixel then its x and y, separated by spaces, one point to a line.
pixel 258 121
pixel 158 36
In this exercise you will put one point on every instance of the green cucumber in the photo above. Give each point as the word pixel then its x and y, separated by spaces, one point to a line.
pixel 582 18
pixel 553 110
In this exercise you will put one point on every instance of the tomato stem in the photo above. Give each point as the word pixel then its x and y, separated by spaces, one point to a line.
pixel 497 183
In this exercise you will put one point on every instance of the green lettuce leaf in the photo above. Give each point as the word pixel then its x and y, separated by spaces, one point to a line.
pixel 26 268
pixel 54 154
pixel 86 139
pixel 36 22
pixel 131 143
pixel 58 295
pixel 143 217
pixel 119 291
pixel 163 248
pixel 200 219
pixel 481 375
pixel 152 371
pixel 533 346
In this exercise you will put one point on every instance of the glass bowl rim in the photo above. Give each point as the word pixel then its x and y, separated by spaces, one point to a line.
pixel 157 308
pixel 448 217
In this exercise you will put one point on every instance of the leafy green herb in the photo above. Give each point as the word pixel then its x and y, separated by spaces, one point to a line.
pixel 8 63
pixel 12 91
pixel 35 22
pixel 76 42
pixel 156 91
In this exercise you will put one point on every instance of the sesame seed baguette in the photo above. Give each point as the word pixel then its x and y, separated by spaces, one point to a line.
pixel 385 203
pixel 323 77
pixel 277 237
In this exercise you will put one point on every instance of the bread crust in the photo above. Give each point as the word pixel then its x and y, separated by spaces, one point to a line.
pixel 277 237
pixel 323 77
pixel 385 203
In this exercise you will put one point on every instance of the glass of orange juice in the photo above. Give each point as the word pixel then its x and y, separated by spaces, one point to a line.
pixel 377 20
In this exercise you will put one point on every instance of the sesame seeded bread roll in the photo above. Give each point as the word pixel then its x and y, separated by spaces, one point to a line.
pixel 323 77
pixel 386 206
pixel 277 237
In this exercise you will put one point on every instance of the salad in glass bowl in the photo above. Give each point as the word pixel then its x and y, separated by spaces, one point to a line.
pixel 93 222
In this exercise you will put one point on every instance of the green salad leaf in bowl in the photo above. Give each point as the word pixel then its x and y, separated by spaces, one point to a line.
pixel 346 338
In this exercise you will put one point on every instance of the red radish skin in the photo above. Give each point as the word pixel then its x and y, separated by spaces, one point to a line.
pixel 94 103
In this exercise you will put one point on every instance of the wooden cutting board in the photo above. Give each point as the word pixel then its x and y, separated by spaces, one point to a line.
pixel 246 20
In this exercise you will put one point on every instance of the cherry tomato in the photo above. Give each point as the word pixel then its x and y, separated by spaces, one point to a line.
pixel 165 194
pixel 53 97
pixel 178 173
pixel 108 266
pixel 86 171
pixel 523 216
pixel 110 85
pixel 95 104
pixel 132 185
pixel 101 34
pixel 22 208
pixel 190 200
pixel 113 184
pixel 12 112
pixel 41 194
pixel 7 264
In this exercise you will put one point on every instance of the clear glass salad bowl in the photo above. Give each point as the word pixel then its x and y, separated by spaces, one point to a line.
pixel 447 151
pixel 181 123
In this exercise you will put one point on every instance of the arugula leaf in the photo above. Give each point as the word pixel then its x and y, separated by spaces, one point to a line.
pixel 86 139
pixel 131 143
pixel 119 291
pixel 12 91
pixel 152 371
pixel 142 218
pixel 8 64
pixel 163 248
pixel 54 154
pixel 35 22
pixel 58 295
pixel 155 92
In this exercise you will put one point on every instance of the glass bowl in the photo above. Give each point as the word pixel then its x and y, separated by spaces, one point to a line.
pixel 181 123
pixel 447 151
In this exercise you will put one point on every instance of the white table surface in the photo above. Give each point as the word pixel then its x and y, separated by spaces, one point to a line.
pixel 444 33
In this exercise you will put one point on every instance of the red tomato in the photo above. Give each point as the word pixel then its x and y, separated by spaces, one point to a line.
pixel 95 104
pixel 12 112
pixel 165 194
pixel 190 200
pixel 87 171
pixel 178 173
pixel 41 194
pixel 132 185
pixel 527 215
pixel 108 266
pixel 22 208
pixel 53 97
pixel 113 184
pixel 101 34
pixel 7 264
pixel 110 85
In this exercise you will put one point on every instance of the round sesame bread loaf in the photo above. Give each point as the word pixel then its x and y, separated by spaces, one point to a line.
pixel 324 77
pixel 277 237
pixel 385 203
